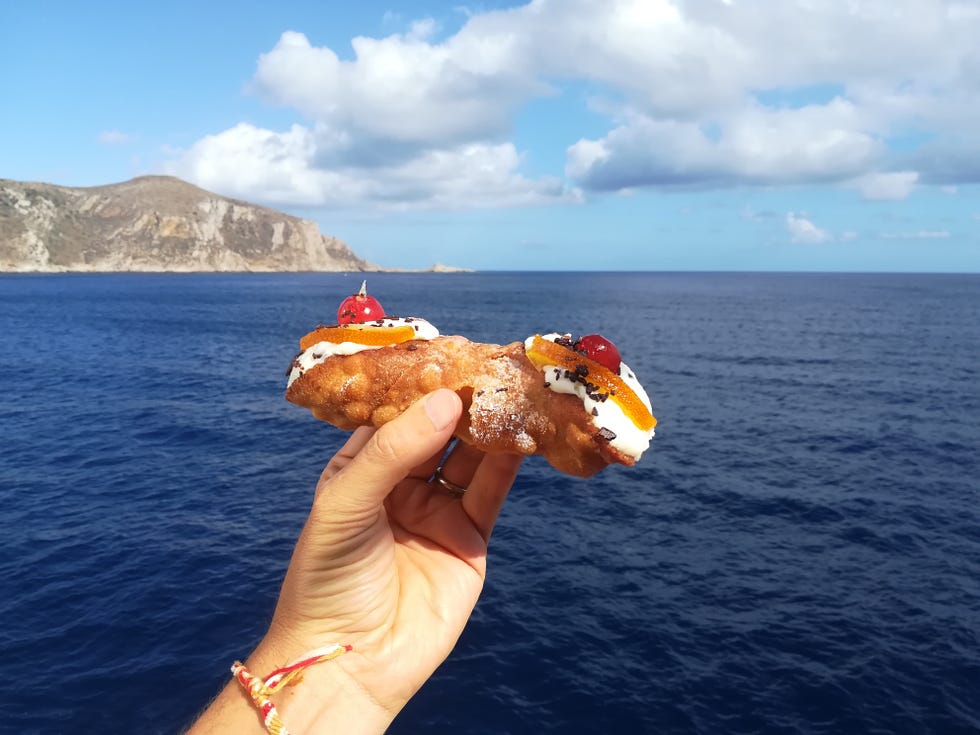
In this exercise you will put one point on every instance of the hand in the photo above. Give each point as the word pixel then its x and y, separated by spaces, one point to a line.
pixel 387 563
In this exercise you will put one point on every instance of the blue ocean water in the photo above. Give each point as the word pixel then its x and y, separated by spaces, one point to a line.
pixel 799 551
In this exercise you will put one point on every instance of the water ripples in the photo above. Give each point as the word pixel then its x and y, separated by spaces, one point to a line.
pixel 798 553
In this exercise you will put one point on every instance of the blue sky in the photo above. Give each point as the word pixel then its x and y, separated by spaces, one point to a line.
pixel 556 134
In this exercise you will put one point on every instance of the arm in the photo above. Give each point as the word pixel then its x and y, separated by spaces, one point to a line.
pixel 386 563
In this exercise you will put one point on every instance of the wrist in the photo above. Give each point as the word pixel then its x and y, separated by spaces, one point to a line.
pixel 326 697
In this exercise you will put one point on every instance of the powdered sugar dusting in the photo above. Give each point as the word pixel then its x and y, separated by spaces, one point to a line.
pixel 500 408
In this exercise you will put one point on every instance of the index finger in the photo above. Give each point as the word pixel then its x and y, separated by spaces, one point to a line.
pixel 355 442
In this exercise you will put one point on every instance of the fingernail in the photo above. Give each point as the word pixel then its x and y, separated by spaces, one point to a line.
pixel 441 408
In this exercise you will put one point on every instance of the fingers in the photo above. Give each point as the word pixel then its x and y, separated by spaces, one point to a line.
pixel 488 489
pixel 344 456
pixel 487 479
pixel 460 464
pixel 424 471
pixel 389 454
pixel 363 472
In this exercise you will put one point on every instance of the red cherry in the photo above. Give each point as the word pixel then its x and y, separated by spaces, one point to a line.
pixel 359 308
pixel 598 348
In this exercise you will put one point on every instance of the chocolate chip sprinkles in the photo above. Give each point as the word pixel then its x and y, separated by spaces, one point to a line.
pixel 591 389
pixel 612 422
pixel 295 364
pixel 323 347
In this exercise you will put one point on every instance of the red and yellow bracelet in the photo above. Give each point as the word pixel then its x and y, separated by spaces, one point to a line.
pixel 261 690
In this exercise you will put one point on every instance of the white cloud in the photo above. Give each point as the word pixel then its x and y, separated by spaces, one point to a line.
pixel 802 230
pixel 114 137
pixel 400 88
pixel 697 93
pixel 422 30
pixel 281 168
pixel 896 185
pixel 754 145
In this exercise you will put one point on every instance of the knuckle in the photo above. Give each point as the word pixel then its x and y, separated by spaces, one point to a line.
pixel 384 447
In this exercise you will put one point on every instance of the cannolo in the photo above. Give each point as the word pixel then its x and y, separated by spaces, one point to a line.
pixel 572 401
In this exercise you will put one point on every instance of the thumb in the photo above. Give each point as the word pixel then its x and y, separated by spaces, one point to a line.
pixel 392 452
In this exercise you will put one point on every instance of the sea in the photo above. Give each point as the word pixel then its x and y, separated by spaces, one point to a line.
pixel 798 552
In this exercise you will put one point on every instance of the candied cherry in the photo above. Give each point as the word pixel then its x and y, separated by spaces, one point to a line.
pixel 359 308
pixel 598 348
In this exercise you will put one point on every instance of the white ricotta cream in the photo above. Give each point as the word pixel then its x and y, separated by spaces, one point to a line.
pixel 629 438
pixel 315 354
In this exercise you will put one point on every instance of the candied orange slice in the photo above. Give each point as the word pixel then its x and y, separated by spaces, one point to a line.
pixel 362 334
pixel 544 352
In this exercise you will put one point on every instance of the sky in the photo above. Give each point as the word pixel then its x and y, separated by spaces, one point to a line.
pixel 754 135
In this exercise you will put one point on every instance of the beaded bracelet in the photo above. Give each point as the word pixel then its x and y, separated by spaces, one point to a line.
pixel 261 690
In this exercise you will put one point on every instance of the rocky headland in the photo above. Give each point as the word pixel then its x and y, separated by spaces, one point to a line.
pixel 156 223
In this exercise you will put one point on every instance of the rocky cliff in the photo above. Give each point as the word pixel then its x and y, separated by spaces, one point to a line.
pixel 156 223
